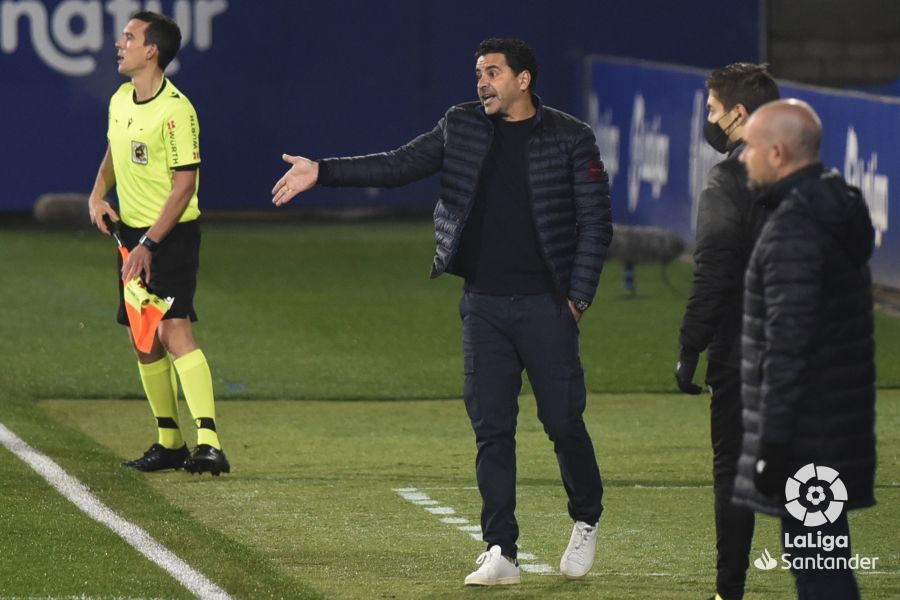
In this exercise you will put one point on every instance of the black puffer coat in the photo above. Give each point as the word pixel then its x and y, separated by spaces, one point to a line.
pixel 807 368
pixel 569 188
pixel 728 221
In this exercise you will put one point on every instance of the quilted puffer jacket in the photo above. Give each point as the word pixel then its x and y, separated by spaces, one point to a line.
pixel 808 350
pixel 568 184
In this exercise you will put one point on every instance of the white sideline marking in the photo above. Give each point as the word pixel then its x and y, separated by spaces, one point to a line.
pixel 441 510
pixel 536 568
pixel 422 499
pixel 638 486
pixel 474 532
pixel 79 495
pixel 414 496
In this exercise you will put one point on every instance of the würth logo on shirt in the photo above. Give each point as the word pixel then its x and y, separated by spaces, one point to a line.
pixel 170 124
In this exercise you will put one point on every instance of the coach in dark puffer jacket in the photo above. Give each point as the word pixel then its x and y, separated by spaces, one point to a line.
pixel 524 217
pixel 567 187
pixel 808 372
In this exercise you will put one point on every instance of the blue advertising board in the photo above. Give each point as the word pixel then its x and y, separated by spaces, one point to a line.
pixel 312 77
pixel 648 119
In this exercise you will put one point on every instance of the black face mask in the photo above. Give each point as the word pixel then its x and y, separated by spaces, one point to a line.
pixel 716 136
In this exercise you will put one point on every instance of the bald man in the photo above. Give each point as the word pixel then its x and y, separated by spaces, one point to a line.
pixel 807 353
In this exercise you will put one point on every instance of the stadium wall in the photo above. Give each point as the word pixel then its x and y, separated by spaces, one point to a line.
pixel 318 78
pixel 648 119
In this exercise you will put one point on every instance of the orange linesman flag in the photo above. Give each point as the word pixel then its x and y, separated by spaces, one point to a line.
pixel 145 310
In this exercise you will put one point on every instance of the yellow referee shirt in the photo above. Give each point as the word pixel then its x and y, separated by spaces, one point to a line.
pixel 148 141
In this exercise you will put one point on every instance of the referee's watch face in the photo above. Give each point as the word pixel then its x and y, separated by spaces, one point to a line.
pixel 131 52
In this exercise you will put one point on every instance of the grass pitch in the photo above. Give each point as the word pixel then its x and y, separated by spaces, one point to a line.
pixel 325 342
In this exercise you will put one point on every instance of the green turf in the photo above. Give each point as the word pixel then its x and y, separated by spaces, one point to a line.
pixel 312 492
pixel 326 311
pixel 51 549
pixel 294 315
pixel 42 554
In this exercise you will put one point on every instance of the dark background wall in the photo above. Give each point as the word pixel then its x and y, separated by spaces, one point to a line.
pixel 319 78
pixel 837 43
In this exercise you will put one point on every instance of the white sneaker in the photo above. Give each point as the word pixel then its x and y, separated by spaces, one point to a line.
pixel 578 558
pixel 495 569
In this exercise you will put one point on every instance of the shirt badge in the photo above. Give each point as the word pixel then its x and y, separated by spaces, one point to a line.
pixel 139 153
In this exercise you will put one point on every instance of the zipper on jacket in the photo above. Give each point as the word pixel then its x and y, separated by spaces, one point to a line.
pixel 465 218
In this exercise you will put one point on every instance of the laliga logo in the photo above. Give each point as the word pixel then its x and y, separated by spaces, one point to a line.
pixel 815 495
pixel 56 40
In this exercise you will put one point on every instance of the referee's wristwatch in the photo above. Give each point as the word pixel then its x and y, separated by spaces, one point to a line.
pixel 580 305
pixel 148 243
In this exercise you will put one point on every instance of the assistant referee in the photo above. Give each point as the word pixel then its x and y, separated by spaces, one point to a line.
pixel 153 159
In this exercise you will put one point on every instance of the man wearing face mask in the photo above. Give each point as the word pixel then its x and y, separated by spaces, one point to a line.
pixel 728 221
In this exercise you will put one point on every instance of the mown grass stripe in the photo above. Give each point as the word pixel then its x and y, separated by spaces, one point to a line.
pixel 79 495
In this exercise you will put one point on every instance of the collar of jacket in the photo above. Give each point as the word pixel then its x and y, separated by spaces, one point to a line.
pixel 538 106
pixel 735 152
pixel 781 188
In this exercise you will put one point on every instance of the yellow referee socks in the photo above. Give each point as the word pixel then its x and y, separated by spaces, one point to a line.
pixel 162 392
pixel 196 381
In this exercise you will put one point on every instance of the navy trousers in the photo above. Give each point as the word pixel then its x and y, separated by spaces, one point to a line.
pixel 502 336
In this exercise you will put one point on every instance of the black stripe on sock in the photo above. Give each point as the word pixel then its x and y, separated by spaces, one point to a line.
pixel 166 423
pixel 206 423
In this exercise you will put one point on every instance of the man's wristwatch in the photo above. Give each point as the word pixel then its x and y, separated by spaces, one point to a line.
pixel 148 243
pixel 580 305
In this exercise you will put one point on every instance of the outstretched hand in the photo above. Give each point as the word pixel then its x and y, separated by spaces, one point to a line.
pixel 302 175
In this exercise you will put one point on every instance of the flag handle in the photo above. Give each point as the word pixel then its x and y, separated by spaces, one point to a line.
pixel 113 228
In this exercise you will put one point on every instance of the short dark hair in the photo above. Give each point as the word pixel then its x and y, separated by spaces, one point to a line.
pixel 518 55
pixel 743 83
pixel 162 31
